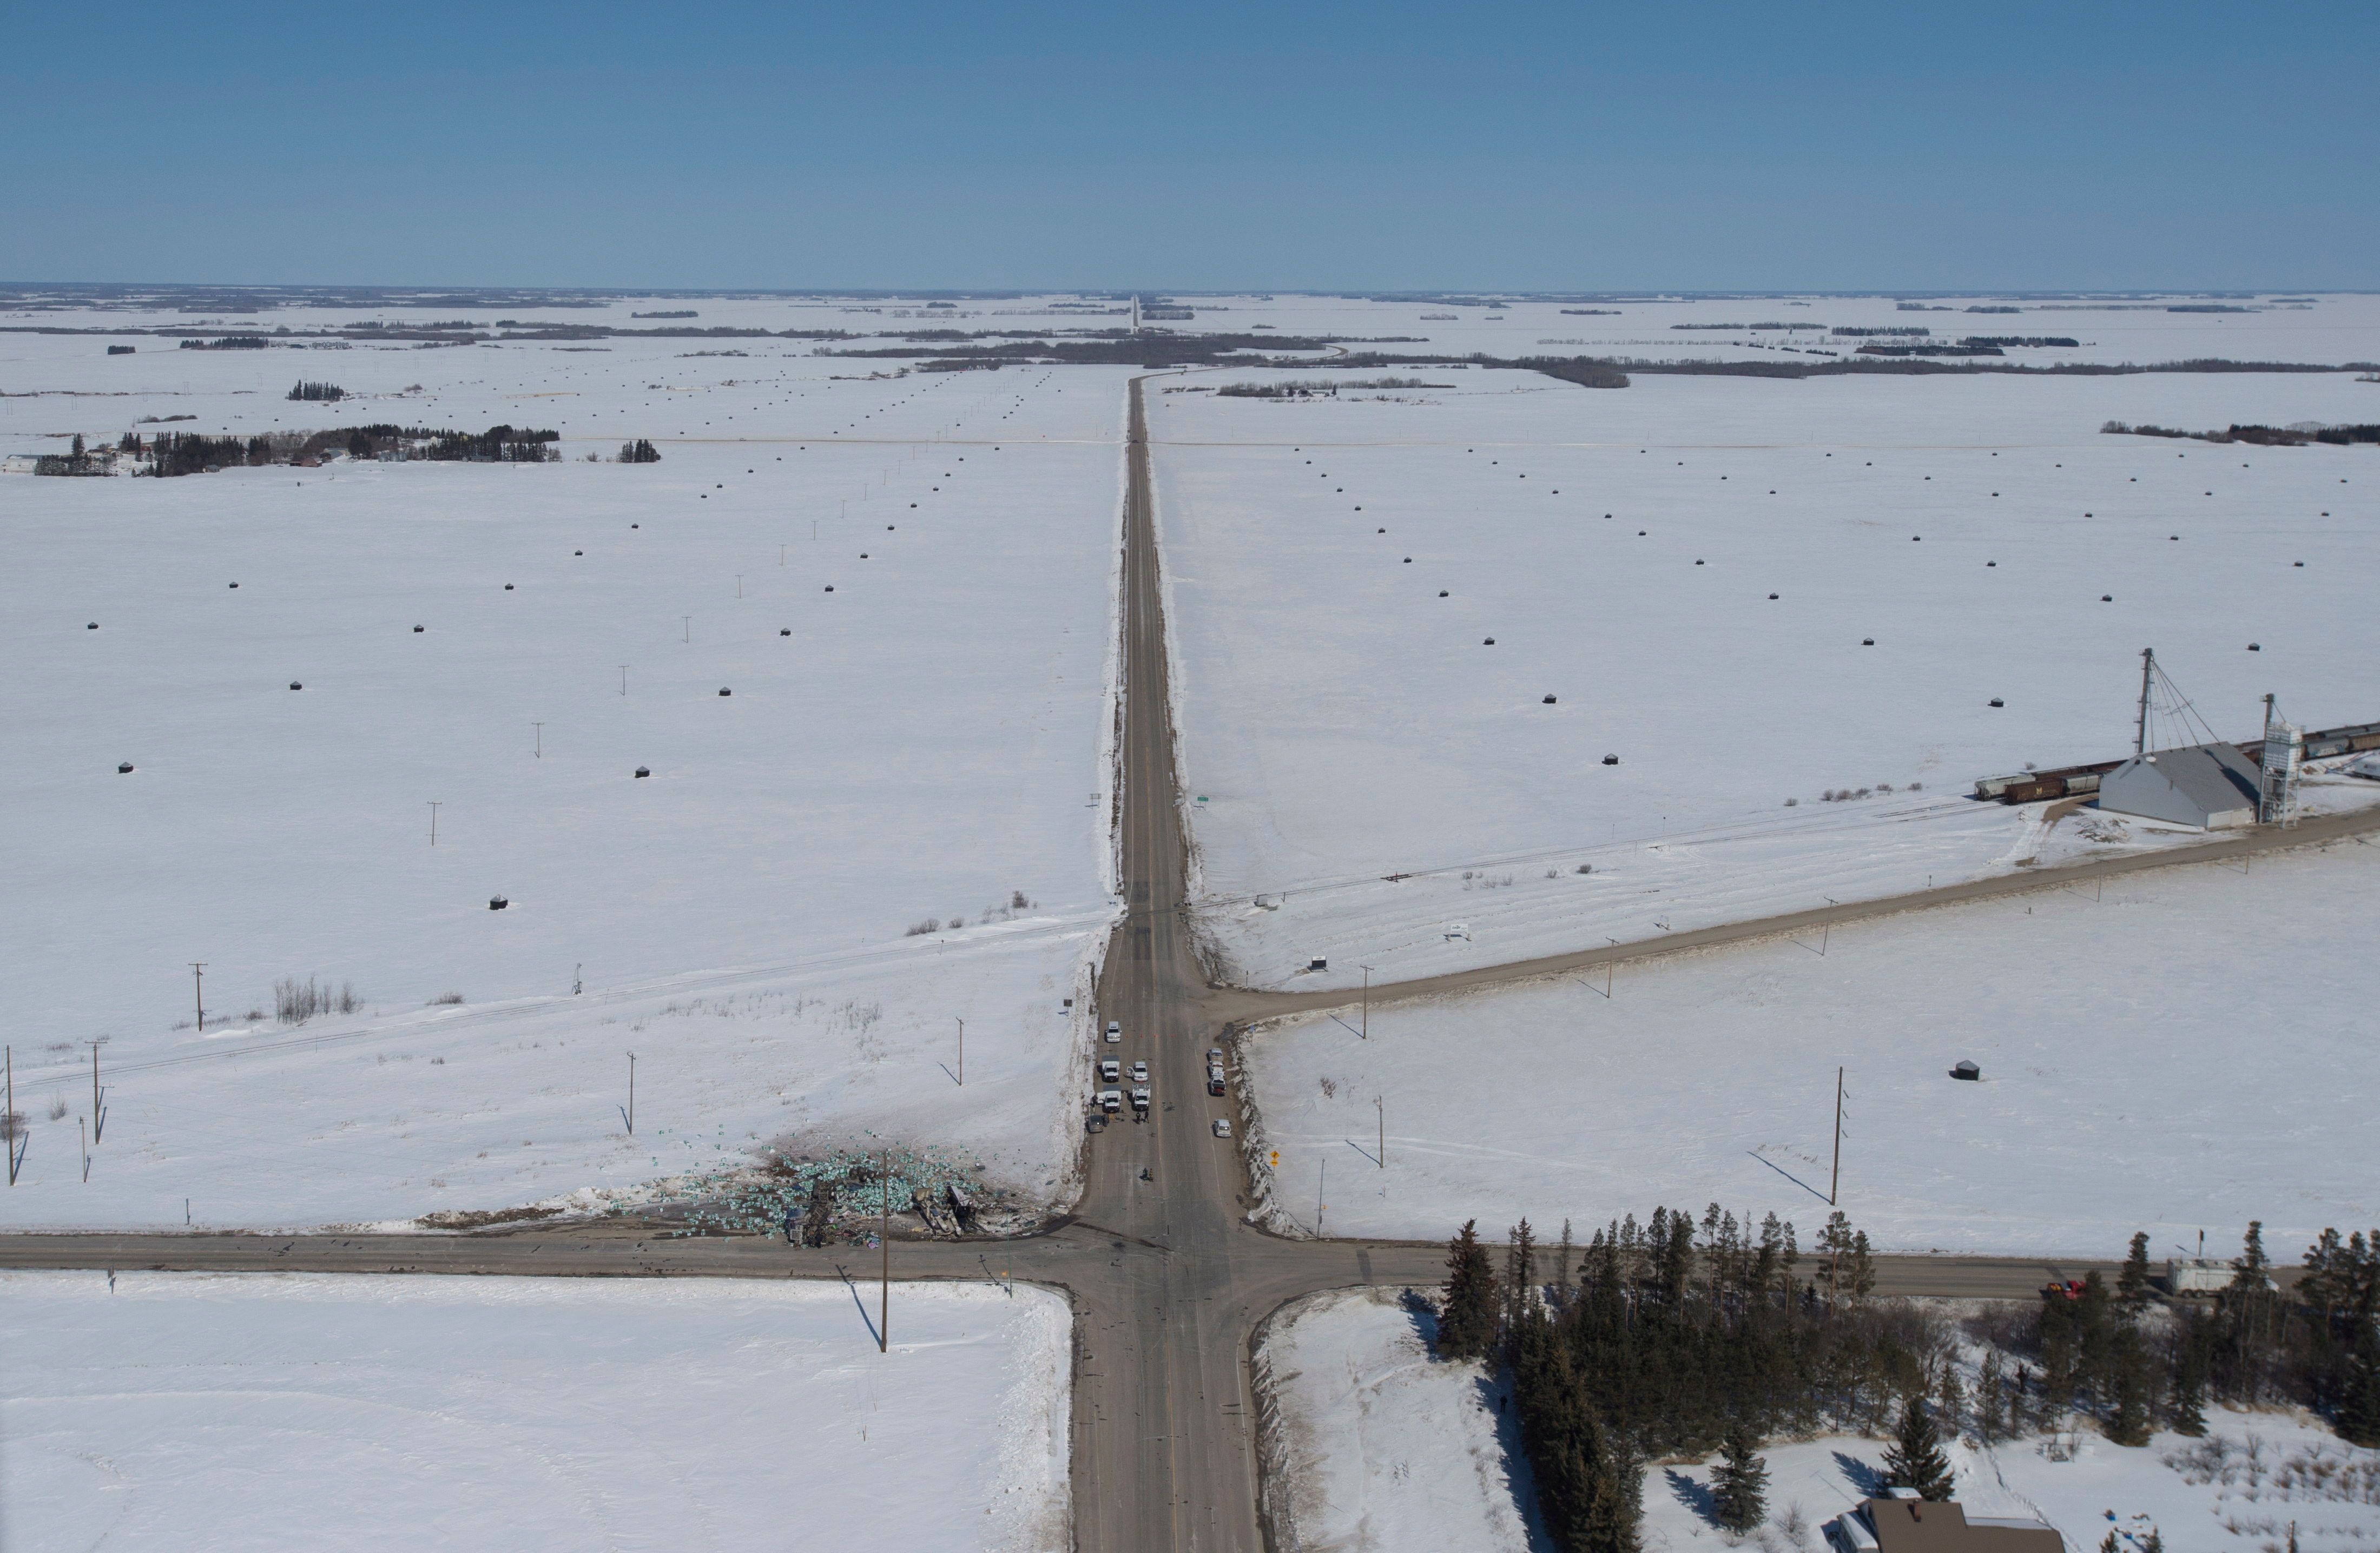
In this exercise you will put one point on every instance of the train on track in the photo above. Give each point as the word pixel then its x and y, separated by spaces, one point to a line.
pixel 2072 782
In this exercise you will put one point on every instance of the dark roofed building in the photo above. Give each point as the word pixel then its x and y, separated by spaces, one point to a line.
pixel 1924 1526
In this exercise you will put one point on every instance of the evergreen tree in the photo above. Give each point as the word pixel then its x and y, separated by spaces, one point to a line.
pixel 1863 1278
pixel 2190 1375
pixel 1990 1405
pixel 2131 1424
pixel 1953 1400
pixel 1740 1486
pixel 2094 1317
pixel 1585 1473
pixel 2133 1289
pixel 2358 1418
pixel 1834 1251
pixel 1520 1274
pixel 2252 1312
pixel 1914 1459
pixel 1466 1322
pixel 2248 1268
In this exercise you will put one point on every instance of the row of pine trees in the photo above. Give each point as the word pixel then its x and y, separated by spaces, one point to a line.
pixel 1684 1336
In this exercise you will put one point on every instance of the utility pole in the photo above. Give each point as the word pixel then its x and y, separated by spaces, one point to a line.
pixel 1836 1180
pixel 885 1241
pixel 198 989
pixel 14 1125
pixel 1380 1111
pixel 98 1115
pixel 689 625
pixel 632 1094
pixel 623 679
pixel 541 739
pixel 2141 729
pixel 82 1130
pixel 433 824
pixel 739 584
pixel 962 1053
pixel 1366 1031
pixel 1319 1182
pixel 780 555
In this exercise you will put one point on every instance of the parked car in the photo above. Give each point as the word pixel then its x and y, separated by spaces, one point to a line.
pixel 1140 1072
pixel 1214 1079
pixel 1222 1126
pixel 1115 1031
pixel 1214 1055
pixel 1140 1101
pixel 1111 1100
pixel 1110 1072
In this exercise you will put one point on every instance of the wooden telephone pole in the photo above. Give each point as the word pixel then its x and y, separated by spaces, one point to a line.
pixel 1836 1180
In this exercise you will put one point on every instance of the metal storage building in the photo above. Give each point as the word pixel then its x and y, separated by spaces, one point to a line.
pixel 2209 786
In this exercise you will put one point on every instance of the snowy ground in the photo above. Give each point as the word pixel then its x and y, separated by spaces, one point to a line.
pixel 1382 1446
pixel 1375 1444
pixel 1342 722
pixel 2172 1485
pixel 924 742
pixel 2190 1051
pixel 251 1412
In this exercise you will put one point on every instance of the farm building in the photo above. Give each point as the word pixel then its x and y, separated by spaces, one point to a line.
pixel 2212 786
pixel 1898 1526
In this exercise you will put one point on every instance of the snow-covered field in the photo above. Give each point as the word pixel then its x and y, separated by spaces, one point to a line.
pixel 1382 1446
pixel 2327 330
pixel 262 1412
pixel 2190 1051
pixel 1345 717
pixel 929 741
pixel 923 741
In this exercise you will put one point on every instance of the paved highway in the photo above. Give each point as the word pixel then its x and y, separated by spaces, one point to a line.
pixel 1167 1278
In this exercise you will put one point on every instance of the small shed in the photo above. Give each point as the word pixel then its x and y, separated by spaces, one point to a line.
pixel 2212 786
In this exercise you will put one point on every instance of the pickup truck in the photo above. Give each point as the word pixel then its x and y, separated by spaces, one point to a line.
pixel 1139 1100
pixel 1111 1071
pixel 1214 1078
pixel 1111 1100
pixel 1115 1031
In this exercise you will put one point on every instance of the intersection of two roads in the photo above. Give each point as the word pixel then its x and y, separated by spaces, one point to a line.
pixel 1167 1280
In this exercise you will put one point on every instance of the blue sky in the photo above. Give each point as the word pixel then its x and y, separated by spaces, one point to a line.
pixel 1529 147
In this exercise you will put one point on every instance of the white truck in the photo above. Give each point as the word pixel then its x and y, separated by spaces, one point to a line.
pixel 2200 1275
pixel 1110 1072
pixel 1111 1100
pixel 1139 1100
